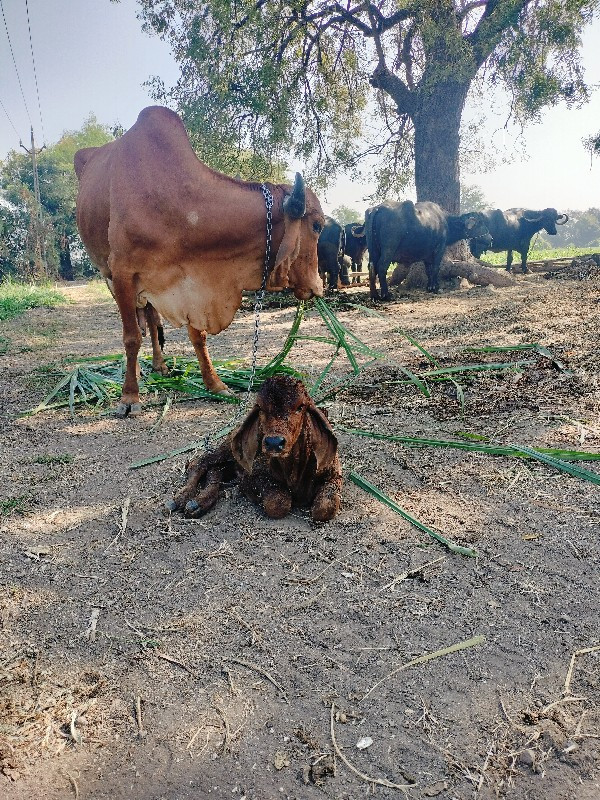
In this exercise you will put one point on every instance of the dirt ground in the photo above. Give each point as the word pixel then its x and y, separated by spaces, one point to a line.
pixel 145 656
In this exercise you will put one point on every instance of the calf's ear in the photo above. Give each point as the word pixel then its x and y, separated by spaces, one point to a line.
pixel 288 251
pixel 322 438
pixel 245 441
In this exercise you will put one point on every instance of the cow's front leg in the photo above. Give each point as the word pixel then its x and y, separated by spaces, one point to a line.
pixel 524 267
pixel 328 498
pixel 508 260
pixel 125 296
pixel 260 487
pixel 209 469
pixel 211 380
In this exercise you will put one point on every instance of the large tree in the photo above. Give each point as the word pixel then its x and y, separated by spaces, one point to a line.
pixel 294 76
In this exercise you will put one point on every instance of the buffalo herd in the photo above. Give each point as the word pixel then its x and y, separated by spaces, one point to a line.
pixel 406 232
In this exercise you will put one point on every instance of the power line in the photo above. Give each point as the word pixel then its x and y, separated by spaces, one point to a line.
pixel 12 52
pixel 37 88
pixel 9 119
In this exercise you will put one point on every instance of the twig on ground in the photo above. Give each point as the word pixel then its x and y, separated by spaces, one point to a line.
pixel 428 657
pixel 378 781
pixel 138 717
pixel 256 637
pixel 306 603
pixel 572 664
pixel 227 739
pixel 73 783
pixel 410 572
pixel 124 515
pixel 171 660
pixel 305 581
pixel 193 739
pixel 262 672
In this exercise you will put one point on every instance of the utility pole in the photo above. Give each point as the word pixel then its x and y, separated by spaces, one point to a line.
pixel 39 243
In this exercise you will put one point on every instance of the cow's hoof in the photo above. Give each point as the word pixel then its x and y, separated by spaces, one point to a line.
pixel 135 409
pixel 191 506
pixel 171 505
pixel 161 369
pixel 226 392
pixel 123 410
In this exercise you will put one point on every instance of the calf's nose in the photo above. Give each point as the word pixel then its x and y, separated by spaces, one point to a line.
pixel 274 444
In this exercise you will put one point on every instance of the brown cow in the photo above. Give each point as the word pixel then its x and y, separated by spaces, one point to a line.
pixel 283 454
pixel 163 228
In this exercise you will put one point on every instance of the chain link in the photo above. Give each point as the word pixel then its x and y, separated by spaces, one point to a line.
pixel 259 297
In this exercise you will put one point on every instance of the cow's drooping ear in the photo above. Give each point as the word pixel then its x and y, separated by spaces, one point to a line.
pixel 288 251
pixel 294 208
pixel 322 438
pixel 245 441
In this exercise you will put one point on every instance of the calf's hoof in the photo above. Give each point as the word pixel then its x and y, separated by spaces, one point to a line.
pixel 161 369
pixel 171 505
pixel 128 410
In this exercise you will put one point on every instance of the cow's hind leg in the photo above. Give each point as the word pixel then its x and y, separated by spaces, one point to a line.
pixel 157 338
pixel 125 296
pixel 508 260
pixel 523 254
pixel 381 269
pixel 211 380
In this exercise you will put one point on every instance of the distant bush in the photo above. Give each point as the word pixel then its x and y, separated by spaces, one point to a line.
pixel 15 298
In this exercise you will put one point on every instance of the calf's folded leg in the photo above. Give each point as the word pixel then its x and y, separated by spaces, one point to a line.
pixel 212 467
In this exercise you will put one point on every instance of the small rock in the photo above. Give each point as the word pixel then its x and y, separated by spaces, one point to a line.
pixel 527 758
pixel 364 742
pixel 281 759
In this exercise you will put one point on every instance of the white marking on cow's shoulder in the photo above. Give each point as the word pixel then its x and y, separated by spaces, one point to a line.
pixel 193 218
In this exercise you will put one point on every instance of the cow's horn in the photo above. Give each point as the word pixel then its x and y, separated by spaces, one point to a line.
pixel 564 218
pixel 295 205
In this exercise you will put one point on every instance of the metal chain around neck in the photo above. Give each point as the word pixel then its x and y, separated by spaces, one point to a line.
pixel 259 297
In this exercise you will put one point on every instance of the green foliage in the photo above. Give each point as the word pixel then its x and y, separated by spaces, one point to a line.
pixel 282 78
pixel 472 198
pixel 63 251
pixel 15 298
pixel 345 215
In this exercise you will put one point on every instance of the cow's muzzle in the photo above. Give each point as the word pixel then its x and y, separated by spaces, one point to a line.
pixel 274 444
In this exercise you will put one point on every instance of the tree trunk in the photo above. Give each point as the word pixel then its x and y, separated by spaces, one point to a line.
pixel 413 276
pixel 66 266
pixel 437 143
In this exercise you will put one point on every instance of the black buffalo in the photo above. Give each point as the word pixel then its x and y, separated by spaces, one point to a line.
pixel 513 230
pixel 356 245
pixel 330 249
pixel 406 232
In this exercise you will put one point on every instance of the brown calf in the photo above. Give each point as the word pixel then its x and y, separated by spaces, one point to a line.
pixel 283 454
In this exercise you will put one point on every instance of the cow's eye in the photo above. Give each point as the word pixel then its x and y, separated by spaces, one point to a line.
pixel 317 227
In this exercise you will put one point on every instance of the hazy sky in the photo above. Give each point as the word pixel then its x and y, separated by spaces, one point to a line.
pixel 92 57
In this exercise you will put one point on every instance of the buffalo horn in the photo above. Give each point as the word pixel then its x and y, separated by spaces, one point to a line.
pixel 295 205
pixel 358 231
pixel 564 219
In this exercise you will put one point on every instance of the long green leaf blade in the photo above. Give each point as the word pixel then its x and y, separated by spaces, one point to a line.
pixel 367 486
